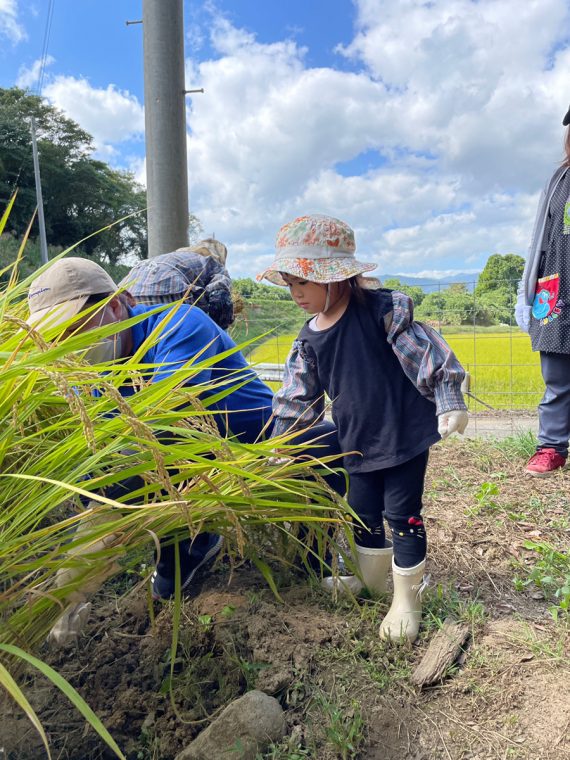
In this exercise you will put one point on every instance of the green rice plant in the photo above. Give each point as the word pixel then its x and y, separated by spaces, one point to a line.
pixel 67 432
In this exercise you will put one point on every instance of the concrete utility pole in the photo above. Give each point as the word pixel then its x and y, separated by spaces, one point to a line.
pixel 165 125
pixel 39 198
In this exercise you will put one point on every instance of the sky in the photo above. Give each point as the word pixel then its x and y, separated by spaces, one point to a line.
pixel 430 126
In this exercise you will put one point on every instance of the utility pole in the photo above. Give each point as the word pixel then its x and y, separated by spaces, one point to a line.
pixel 39 199
pixel 165 125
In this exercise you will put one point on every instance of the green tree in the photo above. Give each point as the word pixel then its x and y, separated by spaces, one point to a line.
pixel 257 291
pixel 81 195
pixel 414 291
pixel 500 272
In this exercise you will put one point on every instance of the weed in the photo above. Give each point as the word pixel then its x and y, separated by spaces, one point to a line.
pixel 522 445
pixel 549 648
pixel 485 501
pixel 205 621
pixel 344 726
pixel 441 603
pixel 285 751
pixel 551 574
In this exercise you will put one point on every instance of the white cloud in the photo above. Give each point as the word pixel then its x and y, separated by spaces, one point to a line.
pixel 10 27
pixel 462 99
pixel 29 75
pixel 111 115
pixel 457 106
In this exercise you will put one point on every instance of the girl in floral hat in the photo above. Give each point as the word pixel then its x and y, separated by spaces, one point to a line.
pixel 395 390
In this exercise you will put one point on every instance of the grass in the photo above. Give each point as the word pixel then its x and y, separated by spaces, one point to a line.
pixel 505 373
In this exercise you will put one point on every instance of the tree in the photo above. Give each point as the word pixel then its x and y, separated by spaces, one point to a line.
pixel 256 291
pixel 414 291
pixel 433 307
pixel 500 272
pixel 81 195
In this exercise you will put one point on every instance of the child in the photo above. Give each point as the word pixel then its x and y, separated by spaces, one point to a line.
pixel 543 310
pixel 395 390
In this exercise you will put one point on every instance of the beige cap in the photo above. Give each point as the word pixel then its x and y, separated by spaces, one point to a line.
pixel 61 291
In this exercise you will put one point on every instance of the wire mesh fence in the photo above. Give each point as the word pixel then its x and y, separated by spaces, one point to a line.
pixel 504 378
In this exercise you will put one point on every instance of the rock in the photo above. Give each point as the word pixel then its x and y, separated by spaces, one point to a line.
pixel 244 728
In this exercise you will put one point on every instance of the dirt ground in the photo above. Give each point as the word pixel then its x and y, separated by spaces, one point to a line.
pixel 346 694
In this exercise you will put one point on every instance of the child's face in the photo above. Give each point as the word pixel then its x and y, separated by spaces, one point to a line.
pixel 310 296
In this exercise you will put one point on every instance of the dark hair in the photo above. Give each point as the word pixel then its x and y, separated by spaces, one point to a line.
pixel 95 298
pixel 361 285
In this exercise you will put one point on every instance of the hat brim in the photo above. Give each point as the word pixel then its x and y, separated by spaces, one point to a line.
pixel 316 270
pixel 53 316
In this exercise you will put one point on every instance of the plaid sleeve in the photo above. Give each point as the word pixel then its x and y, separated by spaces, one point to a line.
pixel 425 357
pixel 300 400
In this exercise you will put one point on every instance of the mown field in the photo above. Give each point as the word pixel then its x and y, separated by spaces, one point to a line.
pixel 505 373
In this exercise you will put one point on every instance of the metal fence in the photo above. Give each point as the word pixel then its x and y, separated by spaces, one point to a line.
pixel 504 379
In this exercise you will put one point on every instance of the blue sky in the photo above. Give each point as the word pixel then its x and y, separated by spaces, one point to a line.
pixel 430 127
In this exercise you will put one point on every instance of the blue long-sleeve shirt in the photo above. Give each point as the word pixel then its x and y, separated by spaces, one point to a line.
pixel 190 334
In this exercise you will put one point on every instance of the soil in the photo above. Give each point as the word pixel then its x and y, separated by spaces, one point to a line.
pixel 346 694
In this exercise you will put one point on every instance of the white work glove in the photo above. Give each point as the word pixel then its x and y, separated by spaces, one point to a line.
pixel 75 616
pixel 278 459
pixel 452 422
pixel 70 624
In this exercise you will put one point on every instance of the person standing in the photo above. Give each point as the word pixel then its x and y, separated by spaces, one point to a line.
pixel 543 310
pixel 395 388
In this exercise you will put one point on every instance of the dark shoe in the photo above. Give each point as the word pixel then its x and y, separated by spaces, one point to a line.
pixel 544 463
pixel 194 555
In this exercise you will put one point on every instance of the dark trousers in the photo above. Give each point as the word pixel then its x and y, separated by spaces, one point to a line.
pixel 554 409
pixel 394 493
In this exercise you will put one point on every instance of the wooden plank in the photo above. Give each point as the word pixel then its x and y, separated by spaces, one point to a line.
pixel 443 651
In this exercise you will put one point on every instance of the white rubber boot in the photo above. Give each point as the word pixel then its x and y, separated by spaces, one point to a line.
pixel 374 566
pixel 404 616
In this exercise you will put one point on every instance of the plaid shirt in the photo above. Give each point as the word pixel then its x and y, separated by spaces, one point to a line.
pixel 171 276
pixel 424 356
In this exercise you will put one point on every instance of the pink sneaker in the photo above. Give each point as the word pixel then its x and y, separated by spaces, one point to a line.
pixel 544 463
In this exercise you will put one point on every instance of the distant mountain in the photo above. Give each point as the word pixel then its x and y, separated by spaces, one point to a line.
pixel 429 285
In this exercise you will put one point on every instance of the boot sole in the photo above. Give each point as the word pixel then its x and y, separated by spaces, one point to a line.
pixel 544 474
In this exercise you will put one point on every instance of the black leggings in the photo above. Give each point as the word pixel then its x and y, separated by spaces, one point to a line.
pixel 396 494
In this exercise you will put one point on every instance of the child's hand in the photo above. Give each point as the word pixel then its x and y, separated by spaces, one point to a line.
pixel 452 422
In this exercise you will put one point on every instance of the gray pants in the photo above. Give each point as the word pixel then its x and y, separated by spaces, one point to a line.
pixel 554 409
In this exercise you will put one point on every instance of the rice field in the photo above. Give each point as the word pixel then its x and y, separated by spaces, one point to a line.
pixel 504 371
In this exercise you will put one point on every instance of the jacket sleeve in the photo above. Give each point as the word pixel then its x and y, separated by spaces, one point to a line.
pixel 424 356
pixel 523 307
pixel 300 400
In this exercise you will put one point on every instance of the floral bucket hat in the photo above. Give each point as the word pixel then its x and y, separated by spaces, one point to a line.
pixel 317 248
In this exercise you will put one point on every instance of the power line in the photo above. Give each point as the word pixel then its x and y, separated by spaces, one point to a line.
pixel 45 46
